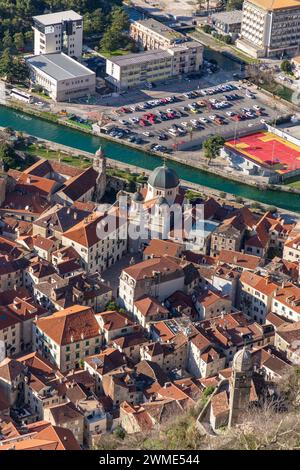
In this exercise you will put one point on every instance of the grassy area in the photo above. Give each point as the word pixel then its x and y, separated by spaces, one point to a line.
pixel 81 125
pixel 293 182
pixel 127 175
pixel 192 195
pixel 221 45
pixel 242 56
pixel 107 54
pixel 279 90
pixel 42 152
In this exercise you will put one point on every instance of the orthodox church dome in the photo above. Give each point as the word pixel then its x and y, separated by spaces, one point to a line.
pixel 163 178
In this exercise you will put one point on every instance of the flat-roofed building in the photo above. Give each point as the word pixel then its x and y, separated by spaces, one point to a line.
pixel 150 66
pixel 62 77
pixel 58 32
pixel 131 70
pixel 167 53
pixel 151 34
pixel 227 22
pixel 270 28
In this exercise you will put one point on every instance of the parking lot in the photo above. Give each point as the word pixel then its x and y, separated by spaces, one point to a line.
pixel 169 123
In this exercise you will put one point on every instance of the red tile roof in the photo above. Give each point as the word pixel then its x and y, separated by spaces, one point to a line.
pixel 75 323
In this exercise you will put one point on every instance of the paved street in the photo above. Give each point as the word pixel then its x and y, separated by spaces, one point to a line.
pixel 112 274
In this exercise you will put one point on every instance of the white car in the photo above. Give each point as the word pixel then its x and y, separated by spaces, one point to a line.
pixel 212 117
pixel 256 107
pixel 203 119
pixel 184 124
pixel 122 121
pixel 229 113
pixel 194 121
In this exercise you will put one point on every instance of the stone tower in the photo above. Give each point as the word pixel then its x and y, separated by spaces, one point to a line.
pixel 99 165
pixel 240 386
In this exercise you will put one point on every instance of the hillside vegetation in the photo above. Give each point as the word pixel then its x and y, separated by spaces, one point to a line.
pixel 263 428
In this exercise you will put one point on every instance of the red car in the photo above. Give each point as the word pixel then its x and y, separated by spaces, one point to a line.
pixel 237 117
pixel 150 116
pixel 142 123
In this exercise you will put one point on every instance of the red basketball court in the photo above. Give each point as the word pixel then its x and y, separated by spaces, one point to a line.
pixel 268 149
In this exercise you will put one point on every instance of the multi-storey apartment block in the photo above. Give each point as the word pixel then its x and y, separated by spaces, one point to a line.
pixel 58 32
pixel 168 53
pixel 270 28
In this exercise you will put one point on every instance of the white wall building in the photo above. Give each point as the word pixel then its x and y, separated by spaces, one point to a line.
pixel 62 77
pixel 270 28
pixel 58 32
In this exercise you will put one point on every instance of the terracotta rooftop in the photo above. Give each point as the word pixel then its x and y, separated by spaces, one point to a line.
pixel 147 269
pixel 113 320
pixel 241 260
pixel 261 284
pixel 75 323
pixel 157 248
pixel 150 307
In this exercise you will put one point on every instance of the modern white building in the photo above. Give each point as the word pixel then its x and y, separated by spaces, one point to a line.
pixel 270 28
pixel 62 77
pixel 150 66
pixel 58 32
pixel 167 54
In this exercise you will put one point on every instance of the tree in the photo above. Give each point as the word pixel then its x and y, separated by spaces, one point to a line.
pixel 212 146
pixel 98 21
pixel 286 66
pixel 234 5
pixel 120 19
pixel 7 40
pixel 119 432
pixel 19 41
pixel 111 40
pixel 8 156
pixel 20 70
pixel 28 37
pixel 112 305
pixel 5 64
pixel 207 28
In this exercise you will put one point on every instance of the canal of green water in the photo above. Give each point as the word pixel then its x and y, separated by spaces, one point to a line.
pixel 72 138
